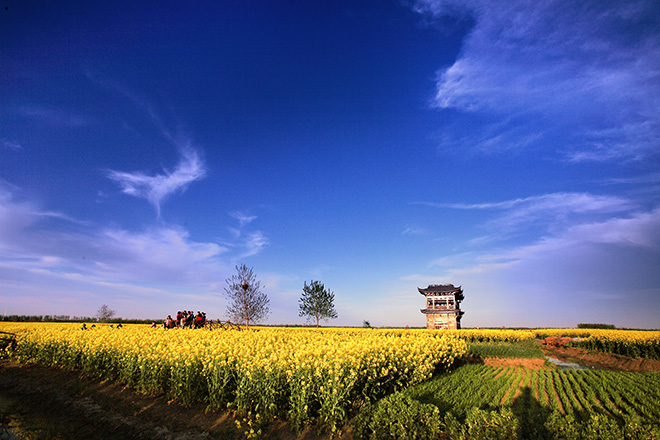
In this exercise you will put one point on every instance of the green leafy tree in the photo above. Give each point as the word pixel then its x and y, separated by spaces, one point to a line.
pixel 317 302
pixel 247 302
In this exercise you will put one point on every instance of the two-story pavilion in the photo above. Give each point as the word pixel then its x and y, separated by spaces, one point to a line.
pixel 443 306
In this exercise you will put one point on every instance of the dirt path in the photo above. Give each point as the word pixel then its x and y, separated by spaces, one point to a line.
pixel 48 403
pixel 514 362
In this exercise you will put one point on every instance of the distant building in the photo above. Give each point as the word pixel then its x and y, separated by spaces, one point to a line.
pixel 443 306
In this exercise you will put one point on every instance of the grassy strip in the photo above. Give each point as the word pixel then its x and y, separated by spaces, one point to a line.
pixel 526 349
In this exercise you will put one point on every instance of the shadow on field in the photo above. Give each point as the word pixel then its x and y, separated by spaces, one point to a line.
pixel 531 416
pixel 472 358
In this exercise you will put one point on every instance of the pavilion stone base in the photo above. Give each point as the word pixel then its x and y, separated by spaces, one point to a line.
pixel 436 321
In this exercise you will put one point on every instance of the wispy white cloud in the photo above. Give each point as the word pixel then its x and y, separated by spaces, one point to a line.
pixel 547 212
pixel 586 270
pixel 156 188
pixel 141 102
pixel 247 243
pixel 506 135
pixel 634 140
pixel 581 244
pixel 579 202
pixel 162 253
pixel 651 178
pixel 640 230
pixel 12 145
pixel 34 250
pixel 18 215
pixel 50 115
pixel 584 72
pixel 577 246
pixel 60 262
pixel 253 244
pixel 321 270
pixel 14 217
pixel 414 230
pixel 243 219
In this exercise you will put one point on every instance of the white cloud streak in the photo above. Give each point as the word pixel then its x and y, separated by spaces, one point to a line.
pixel 50 115
pixel 17 216
pixel 586 72
pixel 11 145
pixel 163 254
pixel 243 219
pixel 639 231
pixel 139 101
pixel 550 212
pixel 249 243
pixel 577 202
pixel 48 253
pixel 254 243
pixel 585 270
pixel 414 230
pixel 156 188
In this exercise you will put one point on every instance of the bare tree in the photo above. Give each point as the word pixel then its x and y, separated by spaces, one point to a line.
pixel 247 302
pixel 317 302
pixel 105 313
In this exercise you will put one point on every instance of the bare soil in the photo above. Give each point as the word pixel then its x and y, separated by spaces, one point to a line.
pixel 514 362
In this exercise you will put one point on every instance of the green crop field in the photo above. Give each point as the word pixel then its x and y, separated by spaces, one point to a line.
pixel 479 401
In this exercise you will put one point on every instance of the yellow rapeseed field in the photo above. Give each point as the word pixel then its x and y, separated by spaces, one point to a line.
pixel 297 374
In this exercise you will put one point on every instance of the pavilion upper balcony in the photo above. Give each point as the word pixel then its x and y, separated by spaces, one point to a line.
pixel 439 309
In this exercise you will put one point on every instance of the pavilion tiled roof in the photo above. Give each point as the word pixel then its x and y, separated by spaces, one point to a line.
pixel 440 288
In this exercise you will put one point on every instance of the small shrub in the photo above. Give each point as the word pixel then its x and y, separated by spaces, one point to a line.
pixel 563 426
pixel 636 429
pixel 602 427
pixel 490 425
pixel 398 417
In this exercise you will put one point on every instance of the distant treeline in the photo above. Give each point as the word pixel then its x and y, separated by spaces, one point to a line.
pixel 69 318
pixel 602 326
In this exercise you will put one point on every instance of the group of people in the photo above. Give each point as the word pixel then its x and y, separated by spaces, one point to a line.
pixel 185 319
pixel 84 326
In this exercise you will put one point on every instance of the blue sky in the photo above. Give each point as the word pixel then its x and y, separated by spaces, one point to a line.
pixel 377 146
